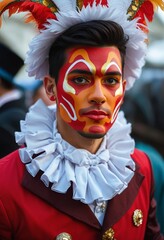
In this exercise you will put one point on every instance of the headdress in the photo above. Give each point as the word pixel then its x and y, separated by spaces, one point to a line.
pixel 55 16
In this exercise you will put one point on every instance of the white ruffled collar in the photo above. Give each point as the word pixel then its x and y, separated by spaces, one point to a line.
pixel 94 177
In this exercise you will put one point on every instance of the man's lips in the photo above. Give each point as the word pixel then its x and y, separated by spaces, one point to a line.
pixel 96 114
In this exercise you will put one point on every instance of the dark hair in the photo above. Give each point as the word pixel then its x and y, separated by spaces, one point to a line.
pixel 92 33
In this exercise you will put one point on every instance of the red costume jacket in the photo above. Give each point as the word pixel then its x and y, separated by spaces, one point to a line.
pixel 31 211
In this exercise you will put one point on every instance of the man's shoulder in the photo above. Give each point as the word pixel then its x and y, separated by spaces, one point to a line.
pixel 141 158
pixel 142 162
pixel 5 160
pixel 11 167
pixel 11 190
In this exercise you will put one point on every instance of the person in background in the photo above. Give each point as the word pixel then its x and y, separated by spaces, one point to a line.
pixel 145 113
pixel 12 100
pixel 143 106
pixel 79 174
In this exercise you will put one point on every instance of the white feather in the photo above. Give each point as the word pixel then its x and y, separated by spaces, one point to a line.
pixel 37 57
pixel 65 5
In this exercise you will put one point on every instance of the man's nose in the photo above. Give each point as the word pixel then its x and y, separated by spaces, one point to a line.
pixel 97 94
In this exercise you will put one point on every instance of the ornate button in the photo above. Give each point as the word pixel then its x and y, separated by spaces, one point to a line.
pixel 108 235
pixel 137 217
pixel 100 206
pixel 64 236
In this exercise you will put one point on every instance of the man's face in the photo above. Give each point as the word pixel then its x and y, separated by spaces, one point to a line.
pixel 90 89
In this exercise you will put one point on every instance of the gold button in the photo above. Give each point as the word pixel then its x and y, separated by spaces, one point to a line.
pixel 64 236
pixel 108 235
pixel 137 217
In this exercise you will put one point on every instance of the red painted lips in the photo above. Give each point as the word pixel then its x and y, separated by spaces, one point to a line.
pixel 96 114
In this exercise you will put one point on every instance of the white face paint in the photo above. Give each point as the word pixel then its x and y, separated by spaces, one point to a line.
pixel 68 88
pixel 90 88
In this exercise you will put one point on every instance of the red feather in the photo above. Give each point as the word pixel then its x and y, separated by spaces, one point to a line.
pixel 144 13
pixel 90 2
pixel 146 10
pixel 37 12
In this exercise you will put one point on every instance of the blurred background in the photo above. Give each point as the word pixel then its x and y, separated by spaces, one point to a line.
pixel 16 35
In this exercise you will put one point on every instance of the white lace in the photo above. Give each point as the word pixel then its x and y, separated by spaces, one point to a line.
pixel 94 177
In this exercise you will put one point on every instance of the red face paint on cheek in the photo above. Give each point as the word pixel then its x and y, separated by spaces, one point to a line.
pixel 69 92
pixel 68 112
pixel 73 95
pixel 68 109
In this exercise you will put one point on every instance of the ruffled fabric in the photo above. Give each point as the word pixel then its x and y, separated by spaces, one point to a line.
pixel 94 177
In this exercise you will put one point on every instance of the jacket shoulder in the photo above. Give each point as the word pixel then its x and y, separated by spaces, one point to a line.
pixel 143 162
pixel 11 171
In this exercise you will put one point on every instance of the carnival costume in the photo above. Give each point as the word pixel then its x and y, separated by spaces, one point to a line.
pixel 72 180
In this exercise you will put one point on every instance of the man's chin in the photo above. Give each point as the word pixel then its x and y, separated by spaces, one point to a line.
pixel 92 135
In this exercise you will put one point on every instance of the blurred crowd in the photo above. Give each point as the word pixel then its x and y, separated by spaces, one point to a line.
pixel 143 108
pixel 15 98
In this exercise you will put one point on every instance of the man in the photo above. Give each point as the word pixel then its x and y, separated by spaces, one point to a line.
pixel 12 102
pixel 78 174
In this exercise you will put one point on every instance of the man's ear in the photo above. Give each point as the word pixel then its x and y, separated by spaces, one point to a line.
pixel 124 85
pixel 50 87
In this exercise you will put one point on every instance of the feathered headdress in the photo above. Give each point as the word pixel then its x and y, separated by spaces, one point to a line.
pixel 55 16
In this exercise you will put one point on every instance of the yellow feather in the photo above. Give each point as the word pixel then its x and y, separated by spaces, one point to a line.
pixel 158 3
pixel 79 3
pixel 4 3
pixel 30 19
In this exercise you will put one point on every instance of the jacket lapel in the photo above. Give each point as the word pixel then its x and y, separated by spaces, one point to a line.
pixel 80 211
pixel 62 202
pixel 125 200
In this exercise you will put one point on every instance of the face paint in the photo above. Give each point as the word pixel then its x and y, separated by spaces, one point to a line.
pixel 90 89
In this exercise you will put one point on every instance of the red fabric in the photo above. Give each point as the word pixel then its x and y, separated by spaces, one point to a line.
pixel 24 216
pixel 141 202
pixel 90 2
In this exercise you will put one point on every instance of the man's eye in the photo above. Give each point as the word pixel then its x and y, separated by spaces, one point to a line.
pixel 111 81
pixel 80 80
